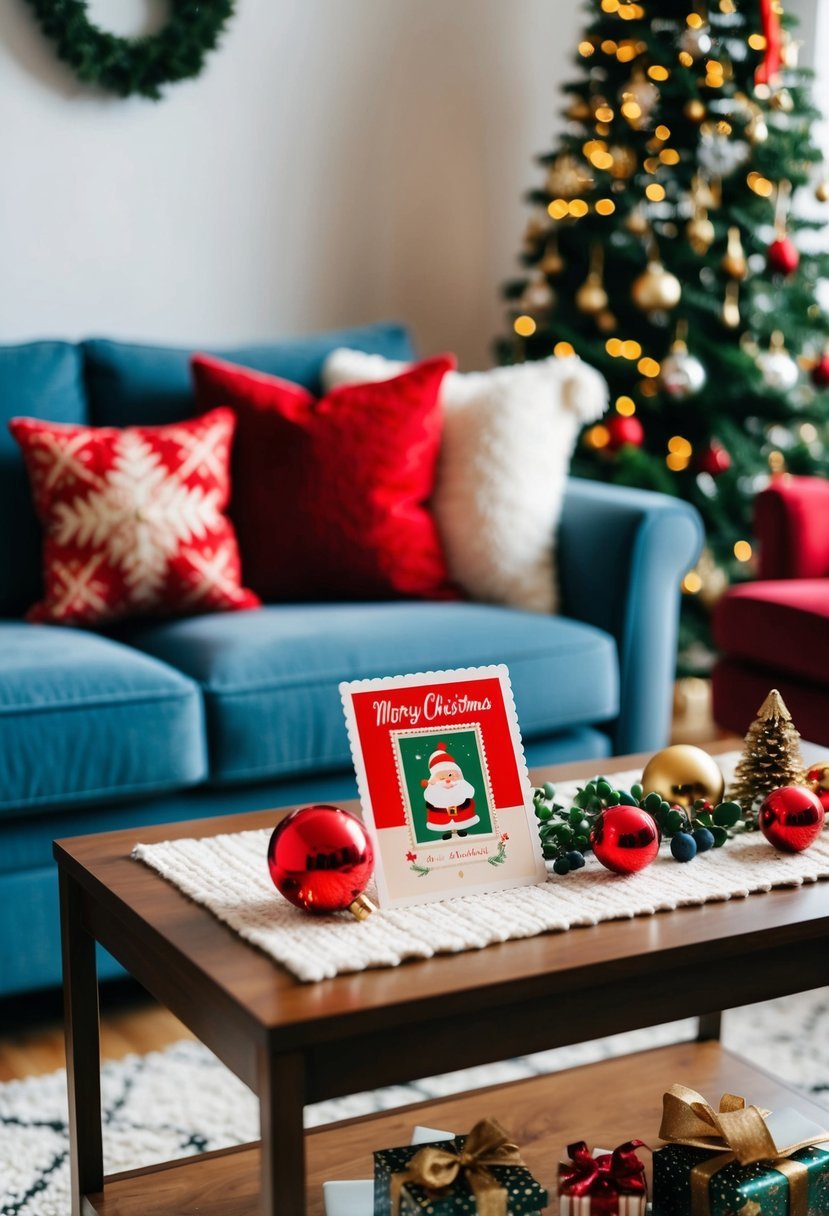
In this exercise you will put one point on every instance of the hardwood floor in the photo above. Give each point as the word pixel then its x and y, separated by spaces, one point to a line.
pixel 31 1031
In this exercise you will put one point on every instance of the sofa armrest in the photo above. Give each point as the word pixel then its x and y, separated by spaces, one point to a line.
pixel 791 522
pixel 622 554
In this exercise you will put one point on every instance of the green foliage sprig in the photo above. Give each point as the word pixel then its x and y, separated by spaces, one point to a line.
pixel 134 65
pixel 565 830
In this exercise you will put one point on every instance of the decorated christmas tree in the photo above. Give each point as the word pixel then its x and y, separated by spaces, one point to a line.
pixel 664 248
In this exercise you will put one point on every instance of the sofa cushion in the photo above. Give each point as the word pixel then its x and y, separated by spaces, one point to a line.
pixel 330 494
pixel 779 623
pixel 271 680
pixel 84 719
pixel 134 519
pixel 44 380
pixel 130 384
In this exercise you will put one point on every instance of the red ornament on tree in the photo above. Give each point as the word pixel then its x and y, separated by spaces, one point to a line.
pixel 622 430
pixel 625 839
pixel 714 459
pixel 782 256
pixel 321 858
pixel 791 818
pixel 820 372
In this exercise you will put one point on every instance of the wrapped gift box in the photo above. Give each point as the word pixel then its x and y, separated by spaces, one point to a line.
pixel 602 1203
pixel 736 1190
pixel 525 1196
pixel 740 1161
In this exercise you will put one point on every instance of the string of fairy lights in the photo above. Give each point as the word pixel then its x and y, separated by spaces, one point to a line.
pixel 584 186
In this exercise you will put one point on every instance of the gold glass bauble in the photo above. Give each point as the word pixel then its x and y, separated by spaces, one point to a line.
pixel 700 234
pixel 591 297
pixel 656 289
pixel 637 223
pixel 822 192
pixel 694 110
pixel 680 774
pixel 624 161
pixel 734 262
pixel 552 262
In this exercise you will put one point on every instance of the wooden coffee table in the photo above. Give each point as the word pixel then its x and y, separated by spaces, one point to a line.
pixel 295 1043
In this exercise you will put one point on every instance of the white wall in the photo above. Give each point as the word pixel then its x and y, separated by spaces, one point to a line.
pixel 338 161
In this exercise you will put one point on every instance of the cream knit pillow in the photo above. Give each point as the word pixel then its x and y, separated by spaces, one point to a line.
pixel 508 438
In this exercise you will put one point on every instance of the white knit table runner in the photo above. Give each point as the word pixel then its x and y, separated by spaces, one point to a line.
pixel 229 875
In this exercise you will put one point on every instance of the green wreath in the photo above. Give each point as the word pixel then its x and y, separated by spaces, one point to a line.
pixel 134 65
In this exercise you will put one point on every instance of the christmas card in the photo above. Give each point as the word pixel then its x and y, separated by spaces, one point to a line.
pixel 443 784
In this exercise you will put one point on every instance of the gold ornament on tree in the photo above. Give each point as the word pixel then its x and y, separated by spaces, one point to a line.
pixel 680 774
pixel 730 314
pixel 700 231
pixel 771 757
pixel 756 130
pixel 639 97
pixel 734 262
pixel 637 222
pixel 822 191
pixel 591 297
pixel 656 289
pixel 624 162
pixel 567 177
pixel 552 263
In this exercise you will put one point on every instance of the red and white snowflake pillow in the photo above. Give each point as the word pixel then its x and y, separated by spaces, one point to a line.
pixel 133 519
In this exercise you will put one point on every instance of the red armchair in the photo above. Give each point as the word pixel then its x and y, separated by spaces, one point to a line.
pixel 774 633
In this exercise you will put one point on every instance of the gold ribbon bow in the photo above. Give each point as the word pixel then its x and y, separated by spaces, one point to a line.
pixel 734 1133
pixel 437 1168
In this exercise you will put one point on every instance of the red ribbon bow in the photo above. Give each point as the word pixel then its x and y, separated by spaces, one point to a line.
pixel 603 1178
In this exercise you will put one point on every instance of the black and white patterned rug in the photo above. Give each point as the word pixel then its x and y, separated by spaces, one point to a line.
pixel 181 1101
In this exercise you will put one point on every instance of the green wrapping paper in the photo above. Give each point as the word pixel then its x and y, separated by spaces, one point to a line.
pixel 525 1197
pixel 736 1190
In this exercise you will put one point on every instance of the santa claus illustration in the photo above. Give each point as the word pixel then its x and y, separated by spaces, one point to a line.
pixel 450 805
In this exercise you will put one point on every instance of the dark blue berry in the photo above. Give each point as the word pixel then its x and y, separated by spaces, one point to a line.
pixel 683 846
pixel 704 839
pixel 561 865
pixel 575 858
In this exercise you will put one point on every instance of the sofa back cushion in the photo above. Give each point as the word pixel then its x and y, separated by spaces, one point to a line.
pixel 41 380
pixel 130 384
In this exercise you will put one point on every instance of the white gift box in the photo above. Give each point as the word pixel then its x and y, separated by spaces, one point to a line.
pixel 356 1197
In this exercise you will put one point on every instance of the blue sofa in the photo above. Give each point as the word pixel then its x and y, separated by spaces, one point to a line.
pixel 170 720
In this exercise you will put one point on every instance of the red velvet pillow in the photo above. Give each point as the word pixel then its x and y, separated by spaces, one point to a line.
pixel 330 496
pixel 133 519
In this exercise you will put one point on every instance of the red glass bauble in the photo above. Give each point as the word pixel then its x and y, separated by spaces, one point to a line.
pixel 791 818
pixel 782 256
pixel 820 372
pixel 714 459
pixel 622 430
pixel 320 858
pixel 625 839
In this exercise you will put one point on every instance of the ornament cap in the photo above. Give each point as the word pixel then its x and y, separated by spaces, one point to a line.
pixel 361 908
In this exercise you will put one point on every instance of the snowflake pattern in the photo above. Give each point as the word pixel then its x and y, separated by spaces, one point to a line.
pixel 134 518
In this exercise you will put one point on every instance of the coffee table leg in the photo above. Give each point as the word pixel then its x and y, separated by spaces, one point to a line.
pixel 281 1100
pixel 83 1049
pixel 710 1025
